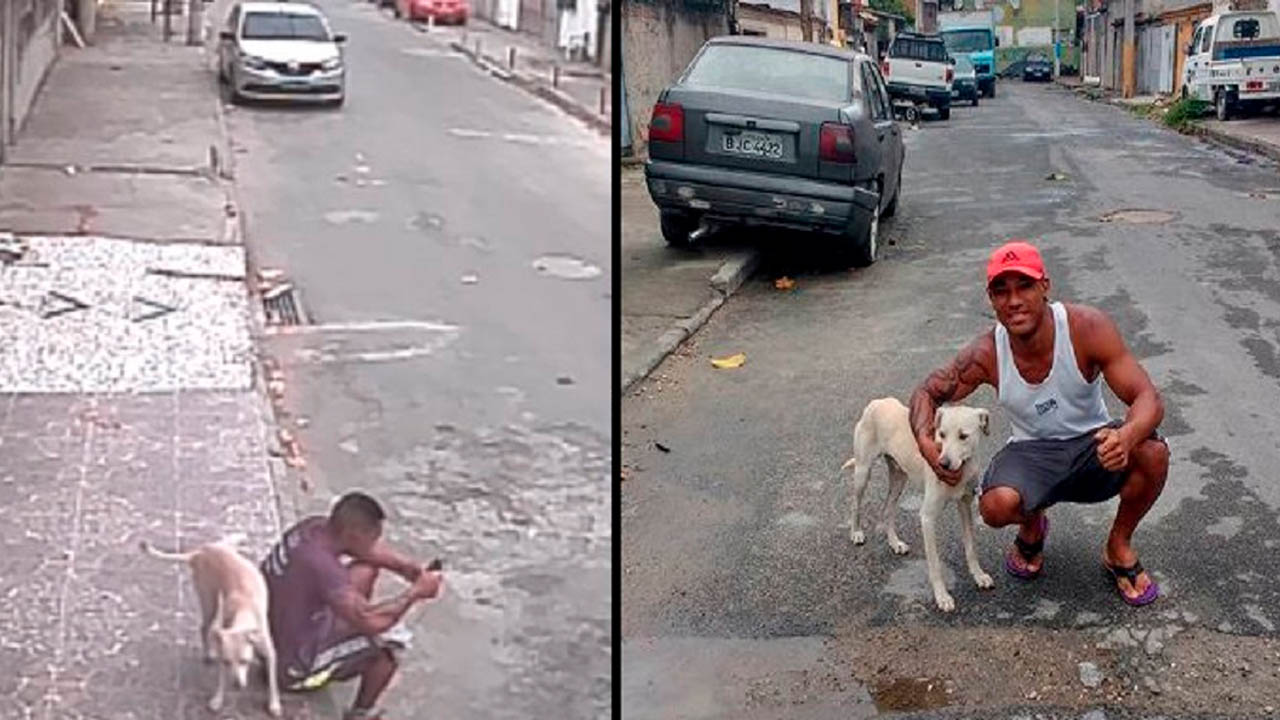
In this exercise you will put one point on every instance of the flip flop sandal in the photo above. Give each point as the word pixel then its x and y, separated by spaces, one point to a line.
pixel 1028 551
pixel 1131 574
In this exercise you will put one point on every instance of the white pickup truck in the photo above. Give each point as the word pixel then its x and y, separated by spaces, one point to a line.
pixel 1234 61
pixel 918 68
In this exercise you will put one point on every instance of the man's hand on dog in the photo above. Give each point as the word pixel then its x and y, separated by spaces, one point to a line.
pixel 1113 448
pixel 931 452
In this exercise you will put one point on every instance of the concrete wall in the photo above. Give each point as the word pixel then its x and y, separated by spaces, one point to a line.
pixel 659 38
pixel 782 26
pixel 29 39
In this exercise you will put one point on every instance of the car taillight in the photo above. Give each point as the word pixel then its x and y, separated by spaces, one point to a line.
pixel 950 74
pixel 667 124
pixel 884 68
pixel 1254 85
pixel 835 143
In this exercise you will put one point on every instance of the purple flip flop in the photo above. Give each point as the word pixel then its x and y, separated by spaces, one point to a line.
pixel 1131 574
pixel 1028 551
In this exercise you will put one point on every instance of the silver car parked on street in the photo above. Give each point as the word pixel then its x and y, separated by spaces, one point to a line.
pixel 775 133
pixel 281 51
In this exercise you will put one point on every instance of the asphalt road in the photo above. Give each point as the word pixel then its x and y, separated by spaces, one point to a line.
pixel 449 239
pixel 742 594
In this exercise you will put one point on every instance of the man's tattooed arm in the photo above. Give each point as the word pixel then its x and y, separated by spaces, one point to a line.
pixel 953 381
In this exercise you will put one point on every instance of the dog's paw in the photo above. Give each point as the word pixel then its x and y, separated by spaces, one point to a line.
pixel 857 536
pixel 215 703
pixel 274 708
pixel 945 602
pixel 984 581
pixel 899 548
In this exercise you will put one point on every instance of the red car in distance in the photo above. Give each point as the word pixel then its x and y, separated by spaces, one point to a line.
pixel 444 11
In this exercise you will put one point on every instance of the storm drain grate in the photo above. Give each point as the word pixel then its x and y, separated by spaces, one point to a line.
pixel 282 307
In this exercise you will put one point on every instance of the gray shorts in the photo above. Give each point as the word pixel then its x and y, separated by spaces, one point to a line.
pixel 1047 472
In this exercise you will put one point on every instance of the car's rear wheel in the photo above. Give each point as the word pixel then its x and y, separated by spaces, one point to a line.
pixel 992 92
pixel 862 246
pixel 944 112
pixel 676 227
pixel 1222 105
pixel 975 99
pixel 892 208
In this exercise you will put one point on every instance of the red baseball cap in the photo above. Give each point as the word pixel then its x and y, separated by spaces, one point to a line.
pixel 1016 256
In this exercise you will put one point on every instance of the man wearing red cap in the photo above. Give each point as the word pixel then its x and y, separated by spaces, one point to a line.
pixel 1047 361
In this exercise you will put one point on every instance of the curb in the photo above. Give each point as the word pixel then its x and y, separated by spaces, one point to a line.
pixel 1254 146
pixel 726 281
pixel 535 87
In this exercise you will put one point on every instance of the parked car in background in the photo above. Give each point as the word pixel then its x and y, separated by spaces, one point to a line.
pixel 774 133
pixel 452 12
pixel 1234 62
pixel 965 85
pixel 281 51
pixel 1037 67
pixel 918 68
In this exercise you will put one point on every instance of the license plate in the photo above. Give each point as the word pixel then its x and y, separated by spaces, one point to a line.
pixel 758 144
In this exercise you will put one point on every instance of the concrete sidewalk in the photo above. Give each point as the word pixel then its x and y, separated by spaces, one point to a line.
pixel 667 293
pixel 128 408
pixel 579 88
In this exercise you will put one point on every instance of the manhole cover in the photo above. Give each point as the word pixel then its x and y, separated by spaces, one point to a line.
pixel 1139 217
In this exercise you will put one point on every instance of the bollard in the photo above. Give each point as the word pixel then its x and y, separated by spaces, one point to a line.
pixel 478 55
pixel 511 58
pixel 604 95
pixel 431 22
pixel 555 76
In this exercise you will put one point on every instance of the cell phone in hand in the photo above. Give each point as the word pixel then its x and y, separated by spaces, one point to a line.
pixel 435 565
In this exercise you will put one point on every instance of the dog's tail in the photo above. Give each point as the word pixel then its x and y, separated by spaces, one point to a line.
pixel 153 551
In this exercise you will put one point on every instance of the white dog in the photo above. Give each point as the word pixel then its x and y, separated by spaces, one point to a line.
pixel 885 429
pixel 233 607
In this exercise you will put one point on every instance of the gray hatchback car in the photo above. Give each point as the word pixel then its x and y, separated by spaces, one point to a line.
pixel 781 134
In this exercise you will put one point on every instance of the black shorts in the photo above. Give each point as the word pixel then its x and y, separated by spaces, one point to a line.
pixel 1046 472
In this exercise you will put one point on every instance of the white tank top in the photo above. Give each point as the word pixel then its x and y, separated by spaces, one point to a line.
pixel 1063 405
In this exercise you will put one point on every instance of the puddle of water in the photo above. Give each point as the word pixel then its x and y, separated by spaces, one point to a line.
pixel 1139 217
pixel 342 217
pixel 910 694
pixel 566 267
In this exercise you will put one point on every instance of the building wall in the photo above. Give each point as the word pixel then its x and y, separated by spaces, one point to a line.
pixel 659 38
pixel 770 23
pixel 29 38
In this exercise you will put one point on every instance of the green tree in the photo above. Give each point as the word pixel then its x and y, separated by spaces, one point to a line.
pixel 896 7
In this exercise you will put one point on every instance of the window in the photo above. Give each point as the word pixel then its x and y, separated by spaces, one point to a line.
pixel 1206 35
pixel 871 94
pixel 963 41
pixel 1195 41
pixel 771 70
pixel 918 49
pixel 1246 29
pixel 283 26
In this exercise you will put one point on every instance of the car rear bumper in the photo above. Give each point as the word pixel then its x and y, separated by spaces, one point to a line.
pixel 442 16
pixel 964 89
pixel 751 198
pixel 920 93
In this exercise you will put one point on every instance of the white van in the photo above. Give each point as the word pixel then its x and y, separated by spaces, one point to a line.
pixel 1234 61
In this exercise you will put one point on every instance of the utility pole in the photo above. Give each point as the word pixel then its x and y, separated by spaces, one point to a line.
pixel 1057 43
pixel 1127 55
pixel 194 10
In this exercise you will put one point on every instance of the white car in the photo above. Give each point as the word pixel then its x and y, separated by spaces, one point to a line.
pixel 281 51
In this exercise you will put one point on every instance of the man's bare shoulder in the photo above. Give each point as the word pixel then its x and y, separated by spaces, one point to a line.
pixel 1087 322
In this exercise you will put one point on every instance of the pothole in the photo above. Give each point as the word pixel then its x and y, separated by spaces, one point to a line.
pixel 1139 217
pixel 566 267
pixel 907 694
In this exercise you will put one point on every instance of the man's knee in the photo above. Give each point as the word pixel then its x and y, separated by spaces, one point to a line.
pixel 1000 506
pixel 1151 458
pixel 363 576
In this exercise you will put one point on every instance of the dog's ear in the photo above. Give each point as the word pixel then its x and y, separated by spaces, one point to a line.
pixel 984 419
pixel 937 418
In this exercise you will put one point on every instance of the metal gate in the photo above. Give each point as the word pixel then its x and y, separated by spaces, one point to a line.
pixel 625 136
pixel 1168 56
